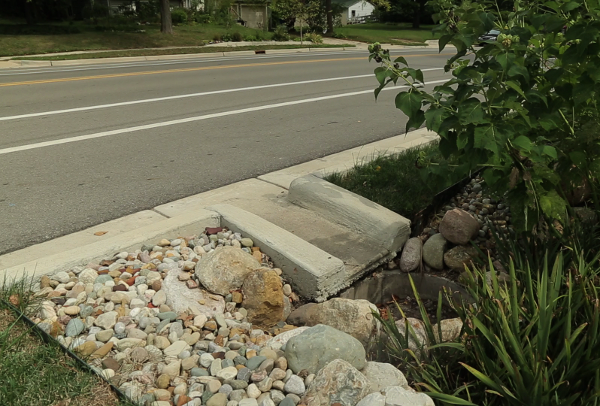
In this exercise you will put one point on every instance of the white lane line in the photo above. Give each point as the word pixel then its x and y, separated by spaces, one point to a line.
pixel 191 119
pixel 183 96
pixel 32 71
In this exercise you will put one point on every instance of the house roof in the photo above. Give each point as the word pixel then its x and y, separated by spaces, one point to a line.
pixel 347 3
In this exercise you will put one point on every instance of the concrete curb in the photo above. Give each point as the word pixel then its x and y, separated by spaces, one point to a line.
pixel 130 240
pixel 187 216
pixel 352 211
pixel 312 271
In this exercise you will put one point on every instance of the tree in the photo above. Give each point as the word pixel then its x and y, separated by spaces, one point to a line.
pixel 413 11
pixel 166 26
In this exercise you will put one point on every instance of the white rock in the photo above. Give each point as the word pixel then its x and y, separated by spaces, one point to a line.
pixel 176 348
pixel 374 399
pixel 398 396
pixel 88 275
pixel 137 303
pixel 227 373
pixel 253 392
pixel 382 375
pixel 159 298
pixel 61 277
pixel 107 320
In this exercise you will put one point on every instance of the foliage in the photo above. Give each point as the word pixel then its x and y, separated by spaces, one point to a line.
pixel 534 340
pixel 386 179
pixel 236 37
pixel 281 33
pixel 523 107
pixel 314 38
pixel 179 16
pixel 202 18
pixel 407 11
pixel 312 13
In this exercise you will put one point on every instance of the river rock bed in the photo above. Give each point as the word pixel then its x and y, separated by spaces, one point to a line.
pixel 201 320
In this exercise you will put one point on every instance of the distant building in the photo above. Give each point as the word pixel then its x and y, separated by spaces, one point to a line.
pixel 355 11
pixel 252 14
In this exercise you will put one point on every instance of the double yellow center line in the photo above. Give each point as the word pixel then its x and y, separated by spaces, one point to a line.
pixel 158 72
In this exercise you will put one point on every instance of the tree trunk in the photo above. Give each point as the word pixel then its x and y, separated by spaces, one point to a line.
pixel 418 13
pixel 29 12
pixel 329 17
pixel 166 26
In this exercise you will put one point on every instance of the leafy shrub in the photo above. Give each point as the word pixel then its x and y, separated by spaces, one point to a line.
pixel 236 37
pixel 281 34
pixel 249 38
pixel 524 107
pixel 226 37
pixel 339 35
pixel 314 38
pixel 202 18
pixel 217 37
pixel 179 16
pixel 534 340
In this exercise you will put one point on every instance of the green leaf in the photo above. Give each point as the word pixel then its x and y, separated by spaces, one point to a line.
pixel 523 142
pixel 518 70
pixel 463 140
pixel 550 151
pixel 487 20
pixel 434 117
pixel 505 60
pixel 415 120
pixel 578 158
pixel 515 86
pixel 449 399
pixel 553 205
pixel 409 103
pixel 570 5
pixel 401 60
pixel 443 41
pixel 484 137
pixel 471 112
pixel 381 73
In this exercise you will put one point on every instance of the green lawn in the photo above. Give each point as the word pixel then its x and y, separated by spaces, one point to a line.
pixel 171 51
pixel 22 40
pixel 396 34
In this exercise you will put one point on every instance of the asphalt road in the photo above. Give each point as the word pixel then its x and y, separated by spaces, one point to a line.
pixel 82 145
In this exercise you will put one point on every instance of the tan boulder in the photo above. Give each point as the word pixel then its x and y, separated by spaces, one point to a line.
pixel 263 298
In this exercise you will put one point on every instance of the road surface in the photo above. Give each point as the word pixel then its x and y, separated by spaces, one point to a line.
pixel 81 145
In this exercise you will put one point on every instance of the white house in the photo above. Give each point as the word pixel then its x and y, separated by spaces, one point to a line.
pixel 355 11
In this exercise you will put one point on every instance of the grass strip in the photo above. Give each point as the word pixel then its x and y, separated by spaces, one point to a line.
pixel 170 51
pixel 394 181
pixel 33 373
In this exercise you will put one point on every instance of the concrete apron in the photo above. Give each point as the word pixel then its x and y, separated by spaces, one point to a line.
pixel 321 236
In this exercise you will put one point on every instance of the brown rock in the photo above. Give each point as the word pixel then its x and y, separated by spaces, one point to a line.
pixel 210 325
pixel 183 400
pixel 163 381
pixel 191 284
pixel 458 226
pixel 157 285
pixel 213 230
pixel 45 282
pixel 102 351
pixel 237 297
pixel 263 298
pixel 354 317
pixel 225 269
pixel 459 256
pixel 120 288
pixel 86 348
pixel 111 363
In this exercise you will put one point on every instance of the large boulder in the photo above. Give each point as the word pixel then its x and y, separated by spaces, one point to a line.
pixel 433 251
pixel 338 382
pixel 458 226
pixel 354 317
pixel 180 298
pixel 225 269
pixel 382 375
pixel 263 298
pixel 410 259
pixel 319 345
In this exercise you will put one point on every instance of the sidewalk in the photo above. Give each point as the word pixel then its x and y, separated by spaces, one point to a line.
pixel 6 62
